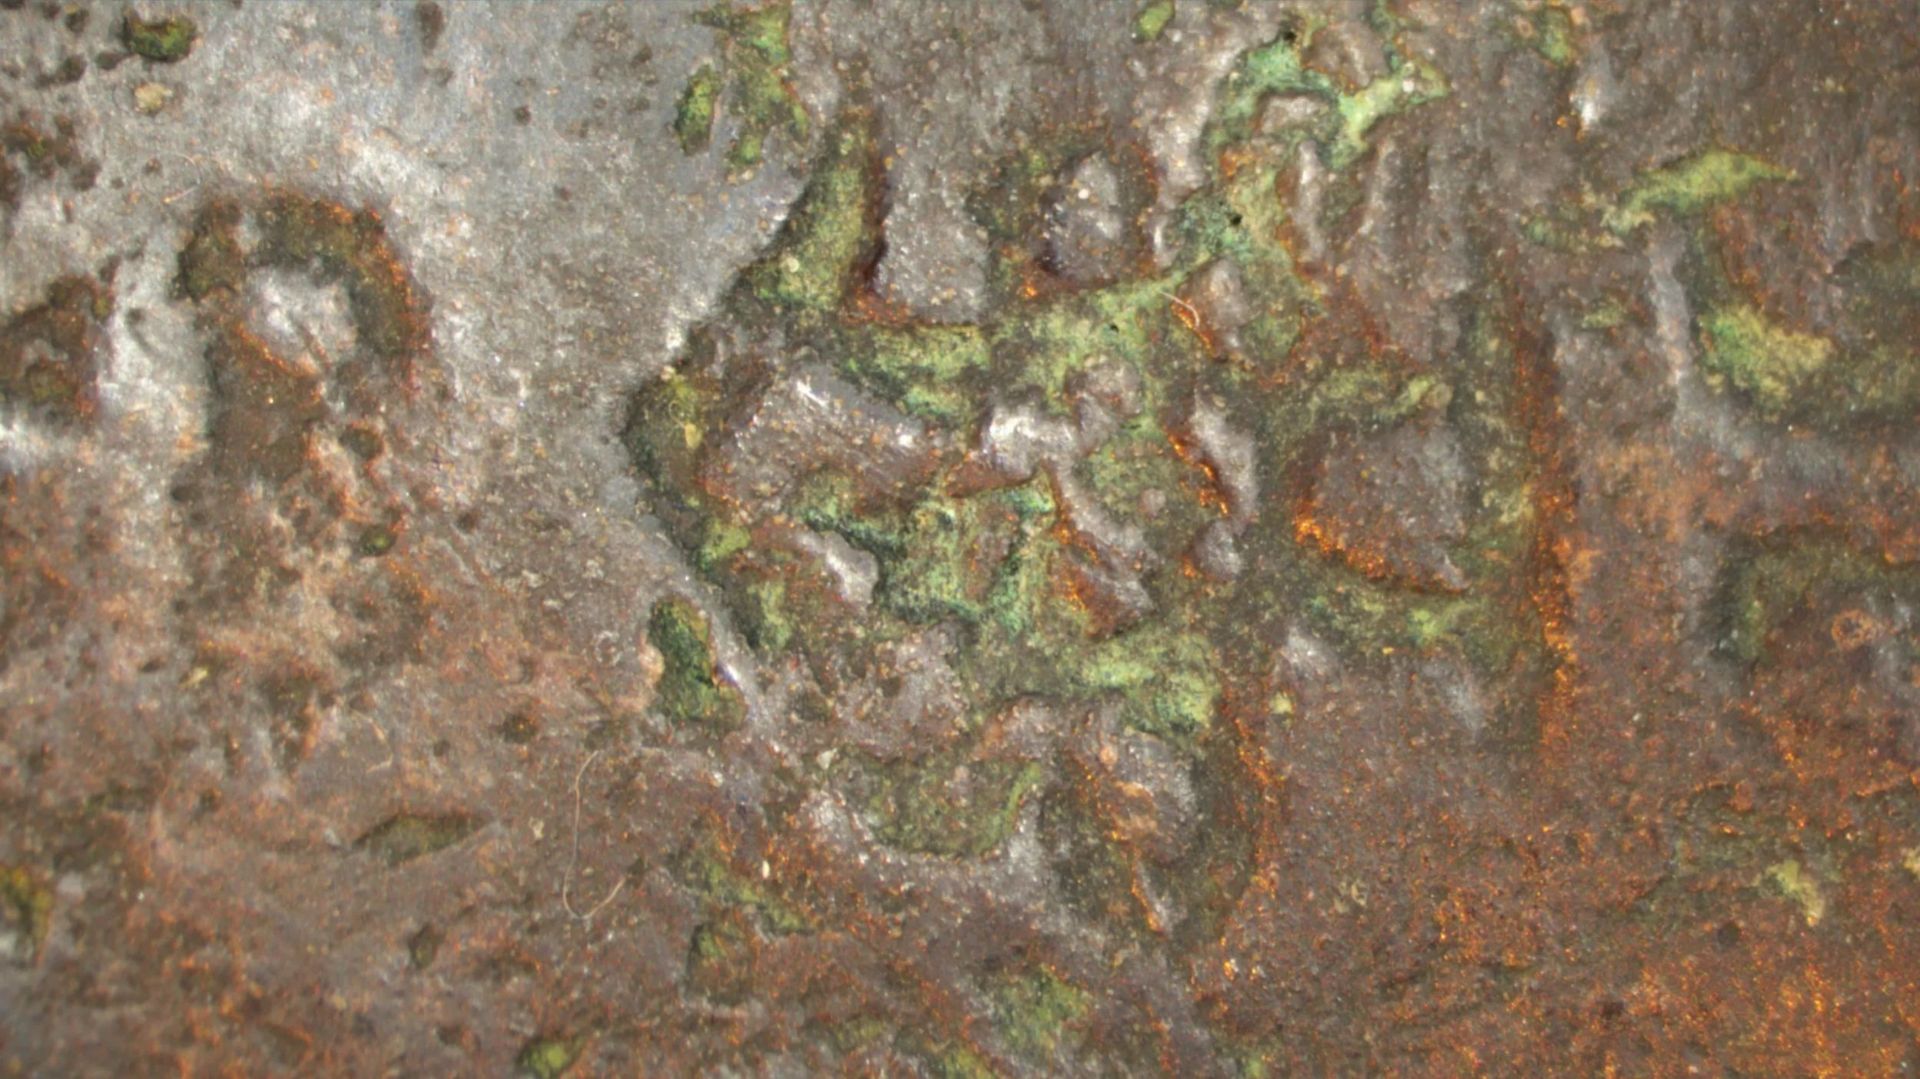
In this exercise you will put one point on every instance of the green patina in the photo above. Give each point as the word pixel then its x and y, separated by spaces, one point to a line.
pixel 707 873
pixel 166 40
pixel 1151 20
pixel 423 947
pixel 26 912
pixel 665 433
pixel 1690 186
pixel 1797 884
pixel 769 618
pixel 1860 368
pixel 723 540
pixel 812 263
pixel 548 1056
pixel 1763 582
pixel 752 80
pixel 721 956
pixel 406 836
pixel 692 690
pixel 1257 1061
pixel 933 372
pixel 1341 132
pixel 1686 188
pixel 946 805
pixel 1607 314
pixel 1407 84
pixel 858 1033
pixel 377 540
pixel 1272 69
pixel 1035 1012
pixel 1548 29
pixel 1777 368
pixel 1725 851
pixel 956 1061
pixel 1000 564
pixel 1165 676
pixel 693 116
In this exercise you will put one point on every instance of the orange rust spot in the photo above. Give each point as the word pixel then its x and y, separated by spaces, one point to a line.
pixel 1138 887
pixel 1853 628
pixel 1210 492
pixel 1310 531
pixel 1548 581
pixel 1190 318
pixel 867 305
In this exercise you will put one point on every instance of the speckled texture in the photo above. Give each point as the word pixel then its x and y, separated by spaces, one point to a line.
pixel 1193 537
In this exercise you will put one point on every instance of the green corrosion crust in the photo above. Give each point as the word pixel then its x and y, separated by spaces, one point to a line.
pixel 752 80
pixel 165 40
pixel 1689 186
pixel 692 690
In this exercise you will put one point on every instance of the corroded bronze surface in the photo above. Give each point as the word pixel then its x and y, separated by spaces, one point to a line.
pixel 1191 537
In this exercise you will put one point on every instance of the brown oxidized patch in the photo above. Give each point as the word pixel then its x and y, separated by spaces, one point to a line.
pixel 49 353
